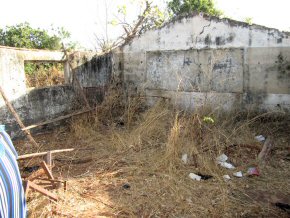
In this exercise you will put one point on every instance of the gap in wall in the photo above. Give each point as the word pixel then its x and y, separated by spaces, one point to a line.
pixel 44 74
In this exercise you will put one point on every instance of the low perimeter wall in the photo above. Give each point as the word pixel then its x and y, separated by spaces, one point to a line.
pixel 247 78
pixel 42 104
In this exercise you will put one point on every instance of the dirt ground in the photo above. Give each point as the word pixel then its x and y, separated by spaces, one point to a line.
pixel 128 163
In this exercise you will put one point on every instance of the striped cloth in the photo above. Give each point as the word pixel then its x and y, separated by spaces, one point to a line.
pixel 12 199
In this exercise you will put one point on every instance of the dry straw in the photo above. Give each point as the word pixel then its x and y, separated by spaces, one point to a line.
pixel 132 164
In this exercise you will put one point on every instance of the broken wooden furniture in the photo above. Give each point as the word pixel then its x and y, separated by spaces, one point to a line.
pixel 45 169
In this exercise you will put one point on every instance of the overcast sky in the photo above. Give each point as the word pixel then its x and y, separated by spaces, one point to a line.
pixel 85 18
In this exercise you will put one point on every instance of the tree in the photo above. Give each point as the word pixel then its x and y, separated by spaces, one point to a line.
pixel 147 17
pixel 177 7
pixel 24 36
pixel 150 17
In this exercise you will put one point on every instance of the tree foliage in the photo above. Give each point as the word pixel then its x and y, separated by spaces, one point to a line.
pixel 24 36
pixel 249 20
pixel 177 7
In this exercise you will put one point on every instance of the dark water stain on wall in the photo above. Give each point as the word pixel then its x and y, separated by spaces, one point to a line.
pixel 283 67
pixel 221 40
pixel 95 72
pixel 207 40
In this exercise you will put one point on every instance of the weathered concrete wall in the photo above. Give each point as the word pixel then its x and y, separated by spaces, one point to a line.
pixel 12 75
pixel 268 70
pixel 38 105
pixel 196 70
pixel 93 72
pixel 202 31
pixel 203 59
pixel 256 78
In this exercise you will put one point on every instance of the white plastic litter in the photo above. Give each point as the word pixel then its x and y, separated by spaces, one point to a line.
pixel 184 158
pixel 194 177
pixel 238 174
pixel 222 158
pixel 226 177
pixel 226 165
pixel 260 138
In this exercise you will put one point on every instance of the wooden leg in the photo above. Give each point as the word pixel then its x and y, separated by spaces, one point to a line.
pixel 65 185
pixel 48 159
pixel 41 190
pixel 46 170
pixel 56 181
pixel 48 173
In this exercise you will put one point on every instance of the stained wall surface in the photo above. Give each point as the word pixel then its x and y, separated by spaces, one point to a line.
pixel 42 104
pixel 199 59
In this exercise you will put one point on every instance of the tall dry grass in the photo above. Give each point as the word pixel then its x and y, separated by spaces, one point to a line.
pixel 142 146
pixel 129 142
pixel 127 122
pixel 43 76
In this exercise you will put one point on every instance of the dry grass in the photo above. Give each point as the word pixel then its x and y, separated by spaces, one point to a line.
pixel 142 147
pixel 43 77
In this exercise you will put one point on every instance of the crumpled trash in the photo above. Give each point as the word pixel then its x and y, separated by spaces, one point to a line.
pixel 260 138
pixel 194 177
pixel 226 177
pixel 221 160
pixel 238 174
pixel 184 158
pixel 253 171
pixel 226 165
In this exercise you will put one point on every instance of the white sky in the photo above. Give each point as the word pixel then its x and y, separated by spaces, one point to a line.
pixel 85 18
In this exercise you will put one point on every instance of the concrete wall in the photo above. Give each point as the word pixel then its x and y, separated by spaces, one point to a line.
pixel 200 59
pixel 38 105
pixel 12 75
pixel 35 105
pixel 92 70
pixel 201 31
pixel 94 73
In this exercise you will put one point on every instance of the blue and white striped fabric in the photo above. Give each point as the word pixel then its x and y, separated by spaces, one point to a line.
pixel 12 199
